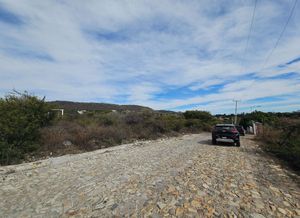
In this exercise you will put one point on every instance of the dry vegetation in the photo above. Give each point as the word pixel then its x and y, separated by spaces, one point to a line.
pixel 283 139
pixel 29 129
pixel 101 129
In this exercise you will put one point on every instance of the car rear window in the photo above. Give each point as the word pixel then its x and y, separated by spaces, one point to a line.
pixel 224 127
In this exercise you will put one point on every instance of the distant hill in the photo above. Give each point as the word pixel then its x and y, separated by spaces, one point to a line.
pixel 69 105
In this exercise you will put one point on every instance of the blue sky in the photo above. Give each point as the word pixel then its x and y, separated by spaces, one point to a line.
pixel 165 54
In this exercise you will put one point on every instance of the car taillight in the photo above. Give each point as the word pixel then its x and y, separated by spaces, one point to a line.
pixel 234 131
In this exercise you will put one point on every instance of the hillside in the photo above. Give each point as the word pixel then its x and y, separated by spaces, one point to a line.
pixel 69 105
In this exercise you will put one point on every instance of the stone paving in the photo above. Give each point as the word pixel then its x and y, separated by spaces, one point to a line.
pixel 176 177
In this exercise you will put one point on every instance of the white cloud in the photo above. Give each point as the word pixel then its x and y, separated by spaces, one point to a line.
pixel 260 89
pixel 193 44
pixel 206 84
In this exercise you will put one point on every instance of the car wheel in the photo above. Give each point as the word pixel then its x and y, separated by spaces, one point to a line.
pixel 238 144
pixel 214 141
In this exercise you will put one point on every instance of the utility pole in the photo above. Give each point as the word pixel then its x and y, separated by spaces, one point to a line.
pixel 235 111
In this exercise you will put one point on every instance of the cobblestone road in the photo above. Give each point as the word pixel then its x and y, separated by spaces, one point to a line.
pixel 179 177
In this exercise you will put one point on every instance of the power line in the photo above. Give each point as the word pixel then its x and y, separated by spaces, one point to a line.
pixel 277 42
pixel 249 34
pixel 251 27
pixel 248 38
pixel 281 34
pixel 245 51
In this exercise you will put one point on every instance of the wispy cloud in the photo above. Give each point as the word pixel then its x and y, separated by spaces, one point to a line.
pixel 9 18
pixel 164 54
pixel 293 61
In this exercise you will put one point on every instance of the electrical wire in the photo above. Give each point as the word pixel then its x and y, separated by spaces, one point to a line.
pixel 281 34
pixel 277 42
pixel 248 37
pixel 251 27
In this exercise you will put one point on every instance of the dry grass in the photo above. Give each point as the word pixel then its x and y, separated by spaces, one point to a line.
pixel 283 140
pixel 96 131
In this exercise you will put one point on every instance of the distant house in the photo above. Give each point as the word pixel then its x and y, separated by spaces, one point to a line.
pixel 256 128
pixel 81 111
pixel 60 111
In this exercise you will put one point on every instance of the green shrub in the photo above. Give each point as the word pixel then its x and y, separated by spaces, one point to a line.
pixel 98 129
pixel 21 117
pixel 201 115
pixel 283 140
pixel 168 123
pixel 258 116
pixel 53 138
pixel 108 119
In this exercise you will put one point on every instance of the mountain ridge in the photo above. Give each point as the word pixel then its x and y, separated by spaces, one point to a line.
pixel 71 105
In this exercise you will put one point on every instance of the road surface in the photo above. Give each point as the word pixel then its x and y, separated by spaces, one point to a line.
pixel 180 177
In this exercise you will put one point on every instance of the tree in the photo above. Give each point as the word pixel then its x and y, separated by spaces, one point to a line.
pixel 21 117
pixel 201 115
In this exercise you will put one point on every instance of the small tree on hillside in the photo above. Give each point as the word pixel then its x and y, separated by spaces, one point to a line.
pixel 201 115
pixel 21 117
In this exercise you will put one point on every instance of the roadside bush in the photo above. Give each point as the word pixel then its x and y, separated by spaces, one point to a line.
pixel 283 140
pixel 21 117
pixel 270 135
pixel 193 123
pixel 92 130
pixel 136 118
pixel 80 137
pixel 109 119
pixel 200 115
pixel 199 120
pixel 133 118
pixel 53 138
pixel 270 119
pixel 172 123
pixel 108 129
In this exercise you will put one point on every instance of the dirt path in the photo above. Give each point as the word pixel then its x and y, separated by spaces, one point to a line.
pixel 183 177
